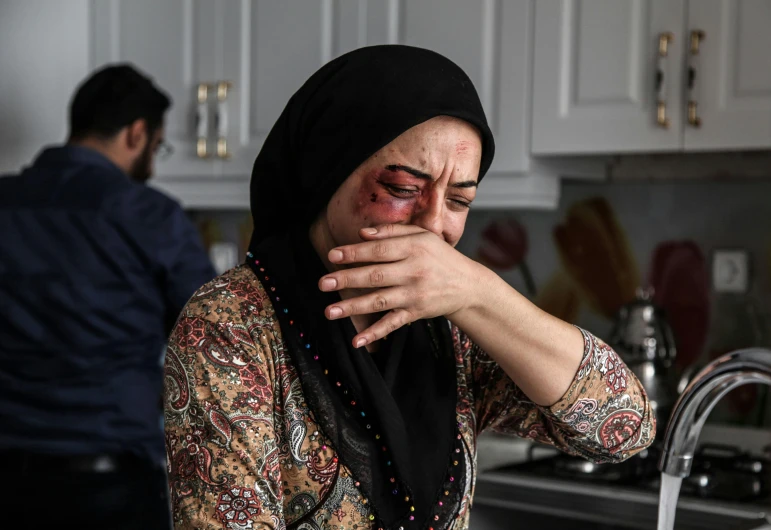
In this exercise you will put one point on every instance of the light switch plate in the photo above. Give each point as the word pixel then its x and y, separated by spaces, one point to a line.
pixel 731 271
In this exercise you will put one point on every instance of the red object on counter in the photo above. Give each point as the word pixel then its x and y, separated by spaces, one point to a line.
pixel 504 244
pixel 681 283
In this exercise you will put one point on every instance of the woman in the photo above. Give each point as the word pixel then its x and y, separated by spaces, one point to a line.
pixel 320 385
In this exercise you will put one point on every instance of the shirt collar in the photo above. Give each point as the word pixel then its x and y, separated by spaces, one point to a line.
pixel 76 154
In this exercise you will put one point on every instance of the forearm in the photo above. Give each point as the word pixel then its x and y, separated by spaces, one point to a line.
pixel 539 352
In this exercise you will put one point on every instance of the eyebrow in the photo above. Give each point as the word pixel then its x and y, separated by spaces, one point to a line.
pixel 425 176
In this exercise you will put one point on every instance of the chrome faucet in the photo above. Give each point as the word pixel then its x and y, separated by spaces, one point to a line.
pixel 741 367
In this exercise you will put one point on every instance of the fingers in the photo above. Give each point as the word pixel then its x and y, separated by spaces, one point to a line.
pixel 377 302
pixel 382 243
pixel 388 231
pixel 383 327
pixel 370 276
pixel 377 251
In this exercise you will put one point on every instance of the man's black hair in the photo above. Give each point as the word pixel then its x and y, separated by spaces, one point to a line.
pixel 113 98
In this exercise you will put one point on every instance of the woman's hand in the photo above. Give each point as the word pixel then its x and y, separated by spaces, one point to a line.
pixel 414 275
pixel 411 274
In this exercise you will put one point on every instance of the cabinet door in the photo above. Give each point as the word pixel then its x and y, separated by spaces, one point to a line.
pixel 732 83
pixel 43 56
pixel 173 42
pixel 595 83
pixel 269 50
pixel 490 40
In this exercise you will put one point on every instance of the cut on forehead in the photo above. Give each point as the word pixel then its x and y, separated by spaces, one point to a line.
pixel 463 147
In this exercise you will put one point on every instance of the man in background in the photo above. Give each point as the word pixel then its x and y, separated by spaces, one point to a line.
pixel 94 269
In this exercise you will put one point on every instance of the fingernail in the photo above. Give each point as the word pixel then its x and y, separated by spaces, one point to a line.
pixel 335 255
pixel 335 312
pixel 361 342
pixel 327 284
pixel 370 231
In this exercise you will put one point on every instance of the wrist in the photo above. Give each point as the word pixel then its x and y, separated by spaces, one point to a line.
pixel 479 289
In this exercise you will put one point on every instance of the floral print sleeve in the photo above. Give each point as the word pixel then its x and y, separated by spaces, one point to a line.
pixel 220 432
pixel 604 416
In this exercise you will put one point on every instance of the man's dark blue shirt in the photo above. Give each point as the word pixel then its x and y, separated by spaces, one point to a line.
pixel 94 270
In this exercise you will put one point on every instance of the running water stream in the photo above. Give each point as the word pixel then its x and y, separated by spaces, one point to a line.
pixel 670 491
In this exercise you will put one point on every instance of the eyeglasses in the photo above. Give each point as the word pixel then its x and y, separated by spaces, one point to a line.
pixel 164 150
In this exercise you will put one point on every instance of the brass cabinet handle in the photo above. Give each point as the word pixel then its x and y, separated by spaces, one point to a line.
pixel 223 87
pixel 693 114
pixel 697 36
pixel 665 39
pixel 202 121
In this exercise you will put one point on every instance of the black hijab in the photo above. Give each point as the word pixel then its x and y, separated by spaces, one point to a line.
pixel 391 416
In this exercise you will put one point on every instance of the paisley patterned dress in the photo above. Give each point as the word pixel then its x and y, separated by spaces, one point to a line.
pixel 244 450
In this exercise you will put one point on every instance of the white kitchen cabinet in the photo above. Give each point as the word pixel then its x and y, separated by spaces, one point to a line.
pixel 597 65
pixel 174 42
pixel 269 50
pixel 595 82
pixel 44 51
pixel 258 51
pixel 252 55
pixel 730 97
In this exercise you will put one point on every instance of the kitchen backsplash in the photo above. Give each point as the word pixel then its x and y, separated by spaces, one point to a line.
pixel 585 259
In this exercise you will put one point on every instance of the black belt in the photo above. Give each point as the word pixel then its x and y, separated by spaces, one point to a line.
pixel 26 462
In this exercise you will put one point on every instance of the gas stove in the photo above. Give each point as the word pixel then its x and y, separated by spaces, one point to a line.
pixel 728 489
pixel 719 472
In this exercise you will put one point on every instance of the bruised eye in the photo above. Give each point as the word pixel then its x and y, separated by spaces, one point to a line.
pixel 399 191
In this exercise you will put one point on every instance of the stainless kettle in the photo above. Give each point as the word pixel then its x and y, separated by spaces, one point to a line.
pixel 644 341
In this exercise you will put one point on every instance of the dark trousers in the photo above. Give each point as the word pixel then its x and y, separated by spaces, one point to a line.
pixel 53 492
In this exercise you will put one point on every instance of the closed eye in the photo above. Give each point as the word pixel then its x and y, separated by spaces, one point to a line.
pixel 404 192
pixel 461 203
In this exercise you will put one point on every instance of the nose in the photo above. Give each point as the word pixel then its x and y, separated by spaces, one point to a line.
pixel 430 214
